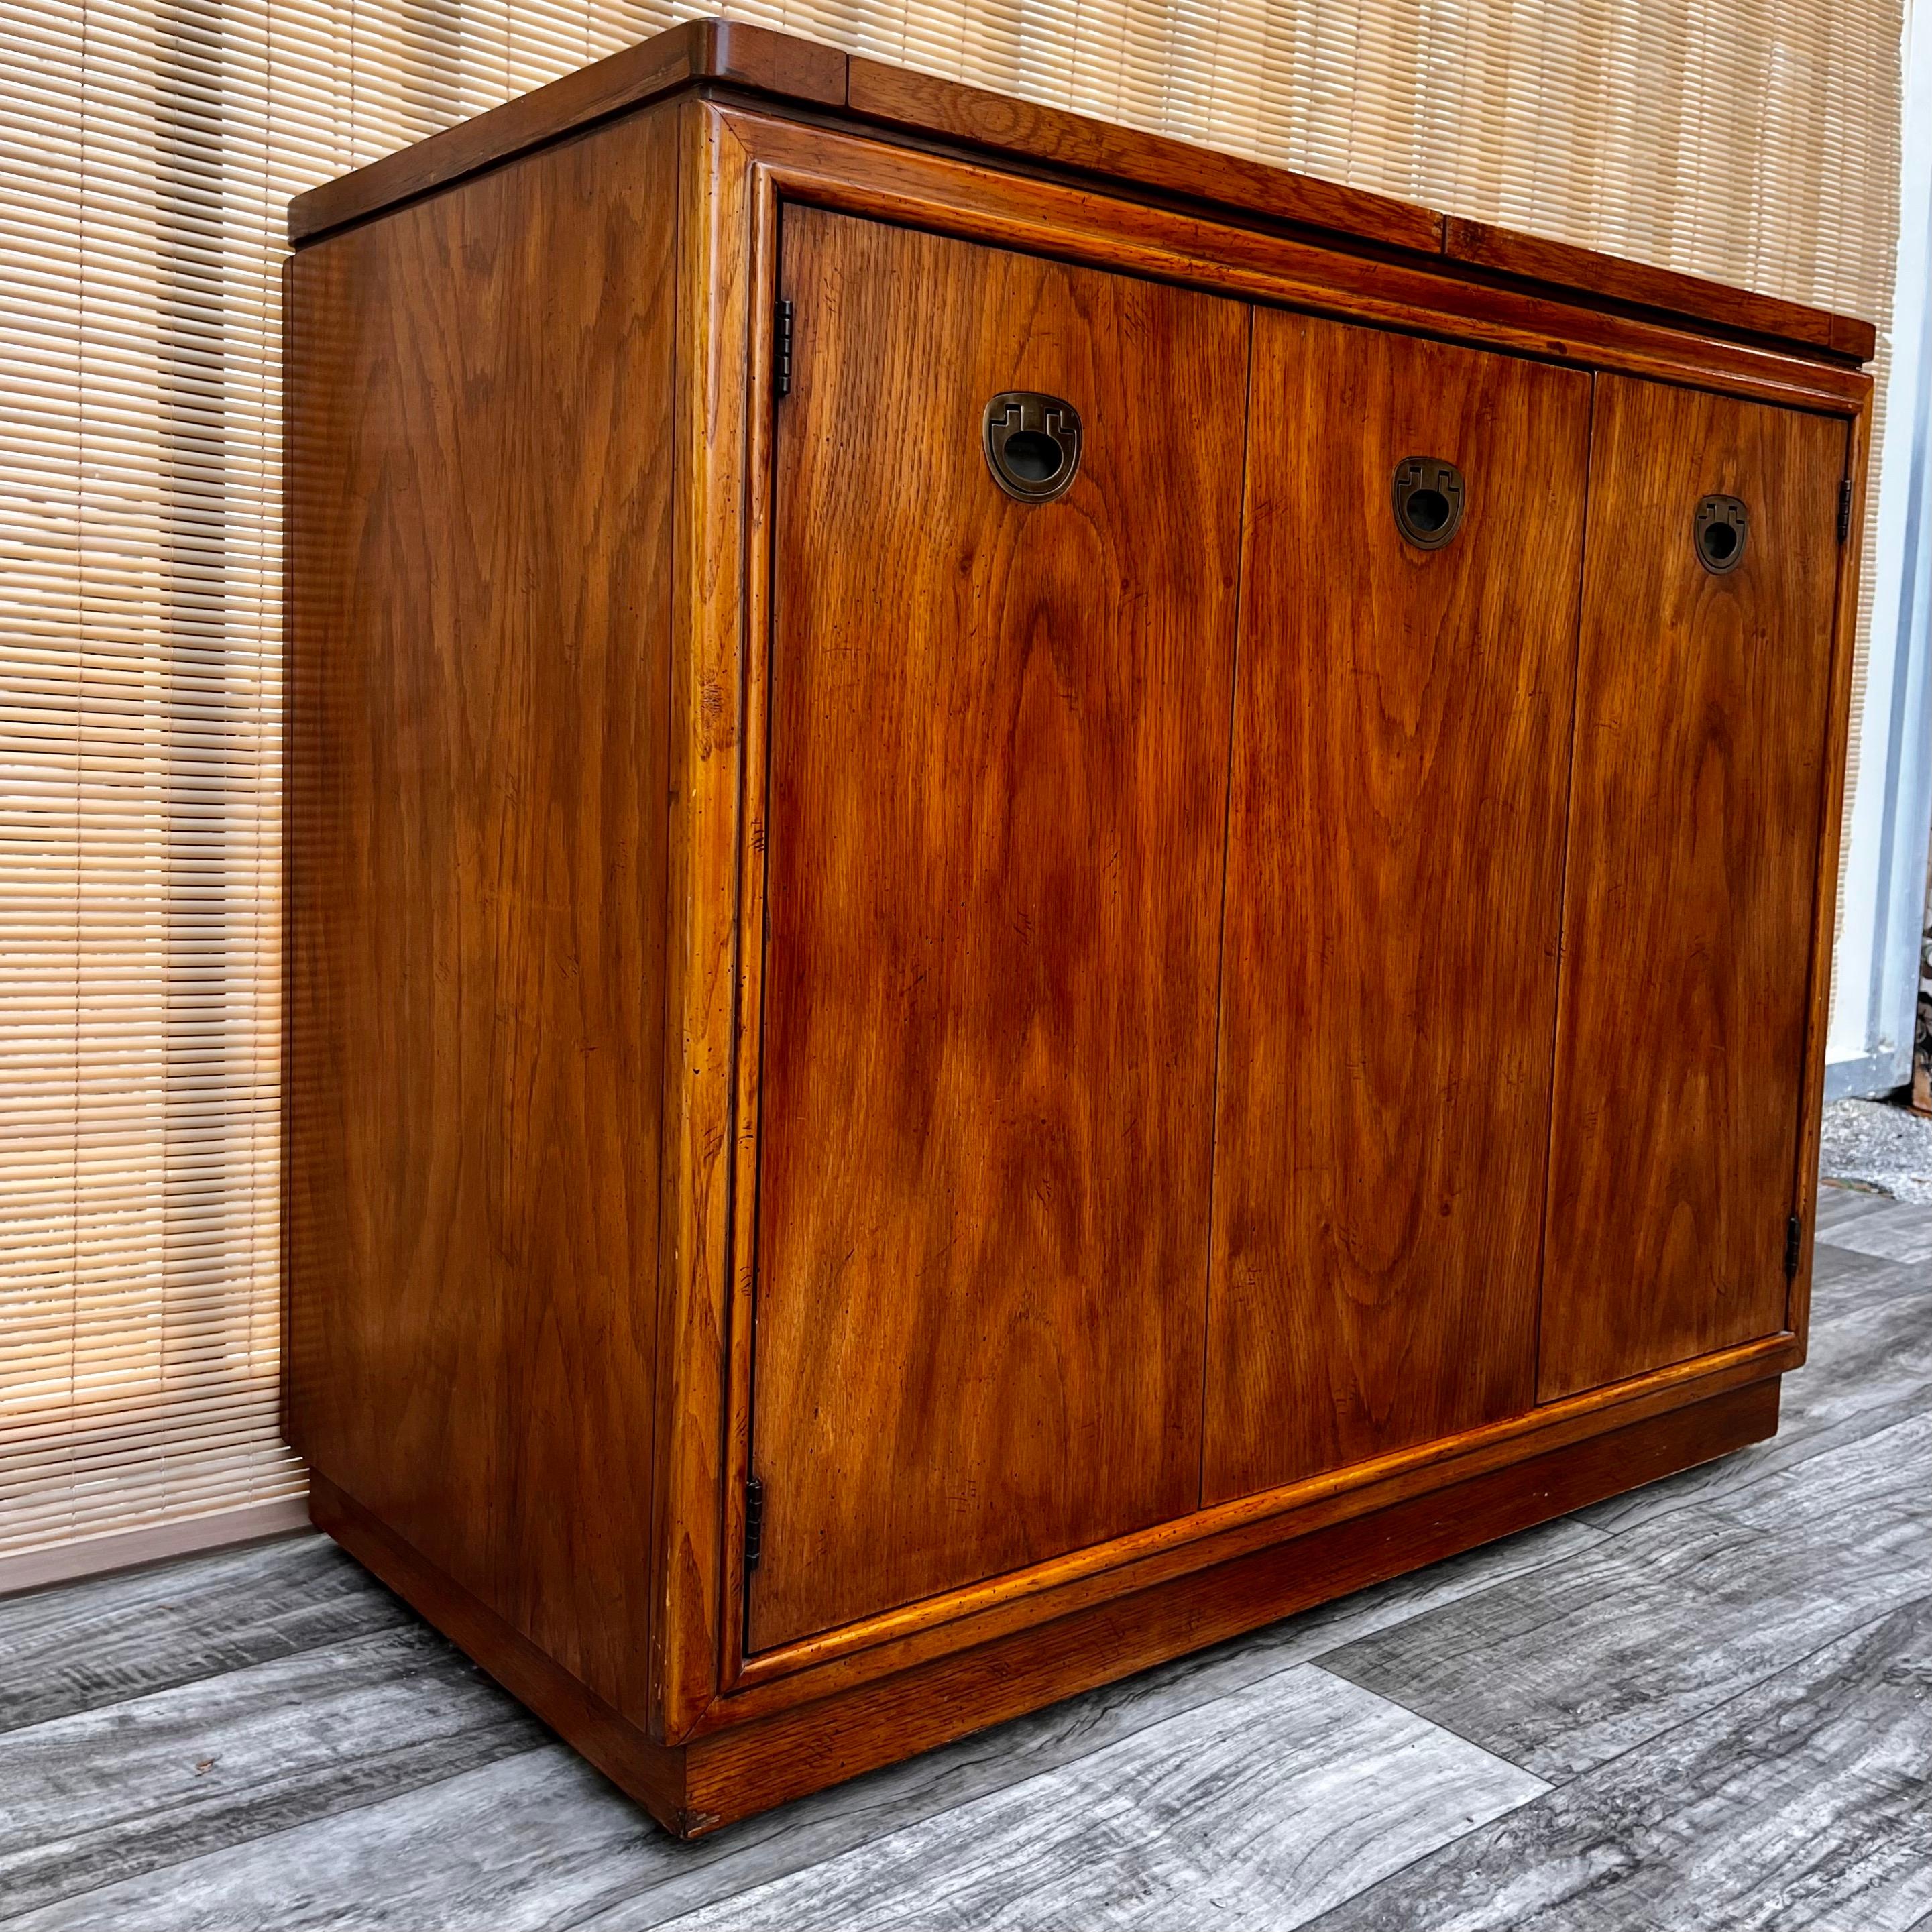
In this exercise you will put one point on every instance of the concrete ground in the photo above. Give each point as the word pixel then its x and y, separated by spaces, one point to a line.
pixel 1878 1146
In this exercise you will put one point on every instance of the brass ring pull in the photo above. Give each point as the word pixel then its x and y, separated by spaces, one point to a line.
pixel 1032 444
pixel 1719 532
pixel 1427 494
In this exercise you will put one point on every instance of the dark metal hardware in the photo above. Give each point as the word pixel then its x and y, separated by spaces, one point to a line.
pixel 781 350
pixel 1032 444
pixel 1428 493
pixel 1844 509
pixel 1719 532
pixel 1794 1244
pixel 754 1523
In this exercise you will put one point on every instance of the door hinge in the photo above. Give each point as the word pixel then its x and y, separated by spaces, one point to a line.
pixel 1794 1245
pixel 781 350
pixel 1844 509
pixel 754 1523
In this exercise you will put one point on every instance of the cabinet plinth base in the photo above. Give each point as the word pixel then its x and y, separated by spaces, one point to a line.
pixel 729 1772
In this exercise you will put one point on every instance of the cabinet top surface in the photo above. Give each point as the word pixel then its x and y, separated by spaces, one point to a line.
pixel 825 81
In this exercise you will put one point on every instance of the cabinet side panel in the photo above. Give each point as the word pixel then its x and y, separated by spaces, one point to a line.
pixel 1704 712
pixel 477 763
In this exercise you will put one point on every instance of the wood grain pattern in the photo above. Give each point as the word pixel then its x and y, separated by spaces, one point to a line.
pixel 478 802
pixel 520 1845
pixel 1899 1233
pixel 1702 706
pixel 1838 1206
pixel 882 97
pixel 745 1767
pixel 1869 1364
pixel 997 750
pixel 620 1747
pixel 903 97
pixel 695 1789
pixel 533 1202
pixel 539 1840
pixel 101 1795
pixel 1189 1824
pixel 1803 1805
pixel 1871 1493
pixel 632 78
pixel 1669 1621
pixel 1401 762
pixel 111 1638
pixel 1562 265
pixel 876 1647
pixel 1082 222
pixel 1799 1802
pixel 1133 1712
pixel 702 952
pixel 1830 827
pixel 762 215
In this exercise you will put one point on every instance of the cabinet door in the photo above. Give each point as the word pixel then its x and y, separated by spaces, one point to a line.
pixel 1402 743
pixel 1701 716
pixel 998 792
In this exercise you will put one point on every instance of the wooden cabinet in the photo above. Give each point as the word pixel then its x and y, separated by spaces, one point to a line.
pixel 1034 910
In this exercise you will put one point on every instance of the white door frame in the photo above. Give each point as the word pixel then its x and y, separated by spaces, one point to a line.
pixel 1868 1048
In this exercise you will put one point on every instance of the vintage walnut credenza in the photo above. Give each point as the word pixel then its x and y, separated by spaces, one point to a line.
pixel 1045 892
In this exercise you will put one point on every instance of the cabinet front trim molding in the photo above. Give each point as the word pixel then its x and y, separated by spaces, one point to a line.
pixel 857 1652
pixel 821 167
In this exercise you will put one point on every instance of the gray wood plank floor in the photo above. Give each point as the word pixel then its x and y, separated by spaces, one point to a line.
pixel 1705 1705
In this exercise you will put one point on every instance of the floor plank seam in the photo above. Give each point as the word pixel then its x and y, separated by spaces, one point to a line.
pixel 375 1802
pixel 8 1731
pixel 1555 1615
pixel 1718 1503
pixel 1755 1688
pixel 944 1810
pixel 1701 1716
pixel 591 1916
pixel 1707 1499
pixel 1743 1655
pixel 1552 1786
pixel 1435 1724
pixel 372 1803
pixel 1162 1716
pixel 240 1670
pixel 366 1585
pixel 1422 1858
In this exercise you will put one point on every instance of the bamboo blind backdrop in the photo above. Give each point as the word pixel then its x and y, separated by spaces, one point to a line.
pixel 149 150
